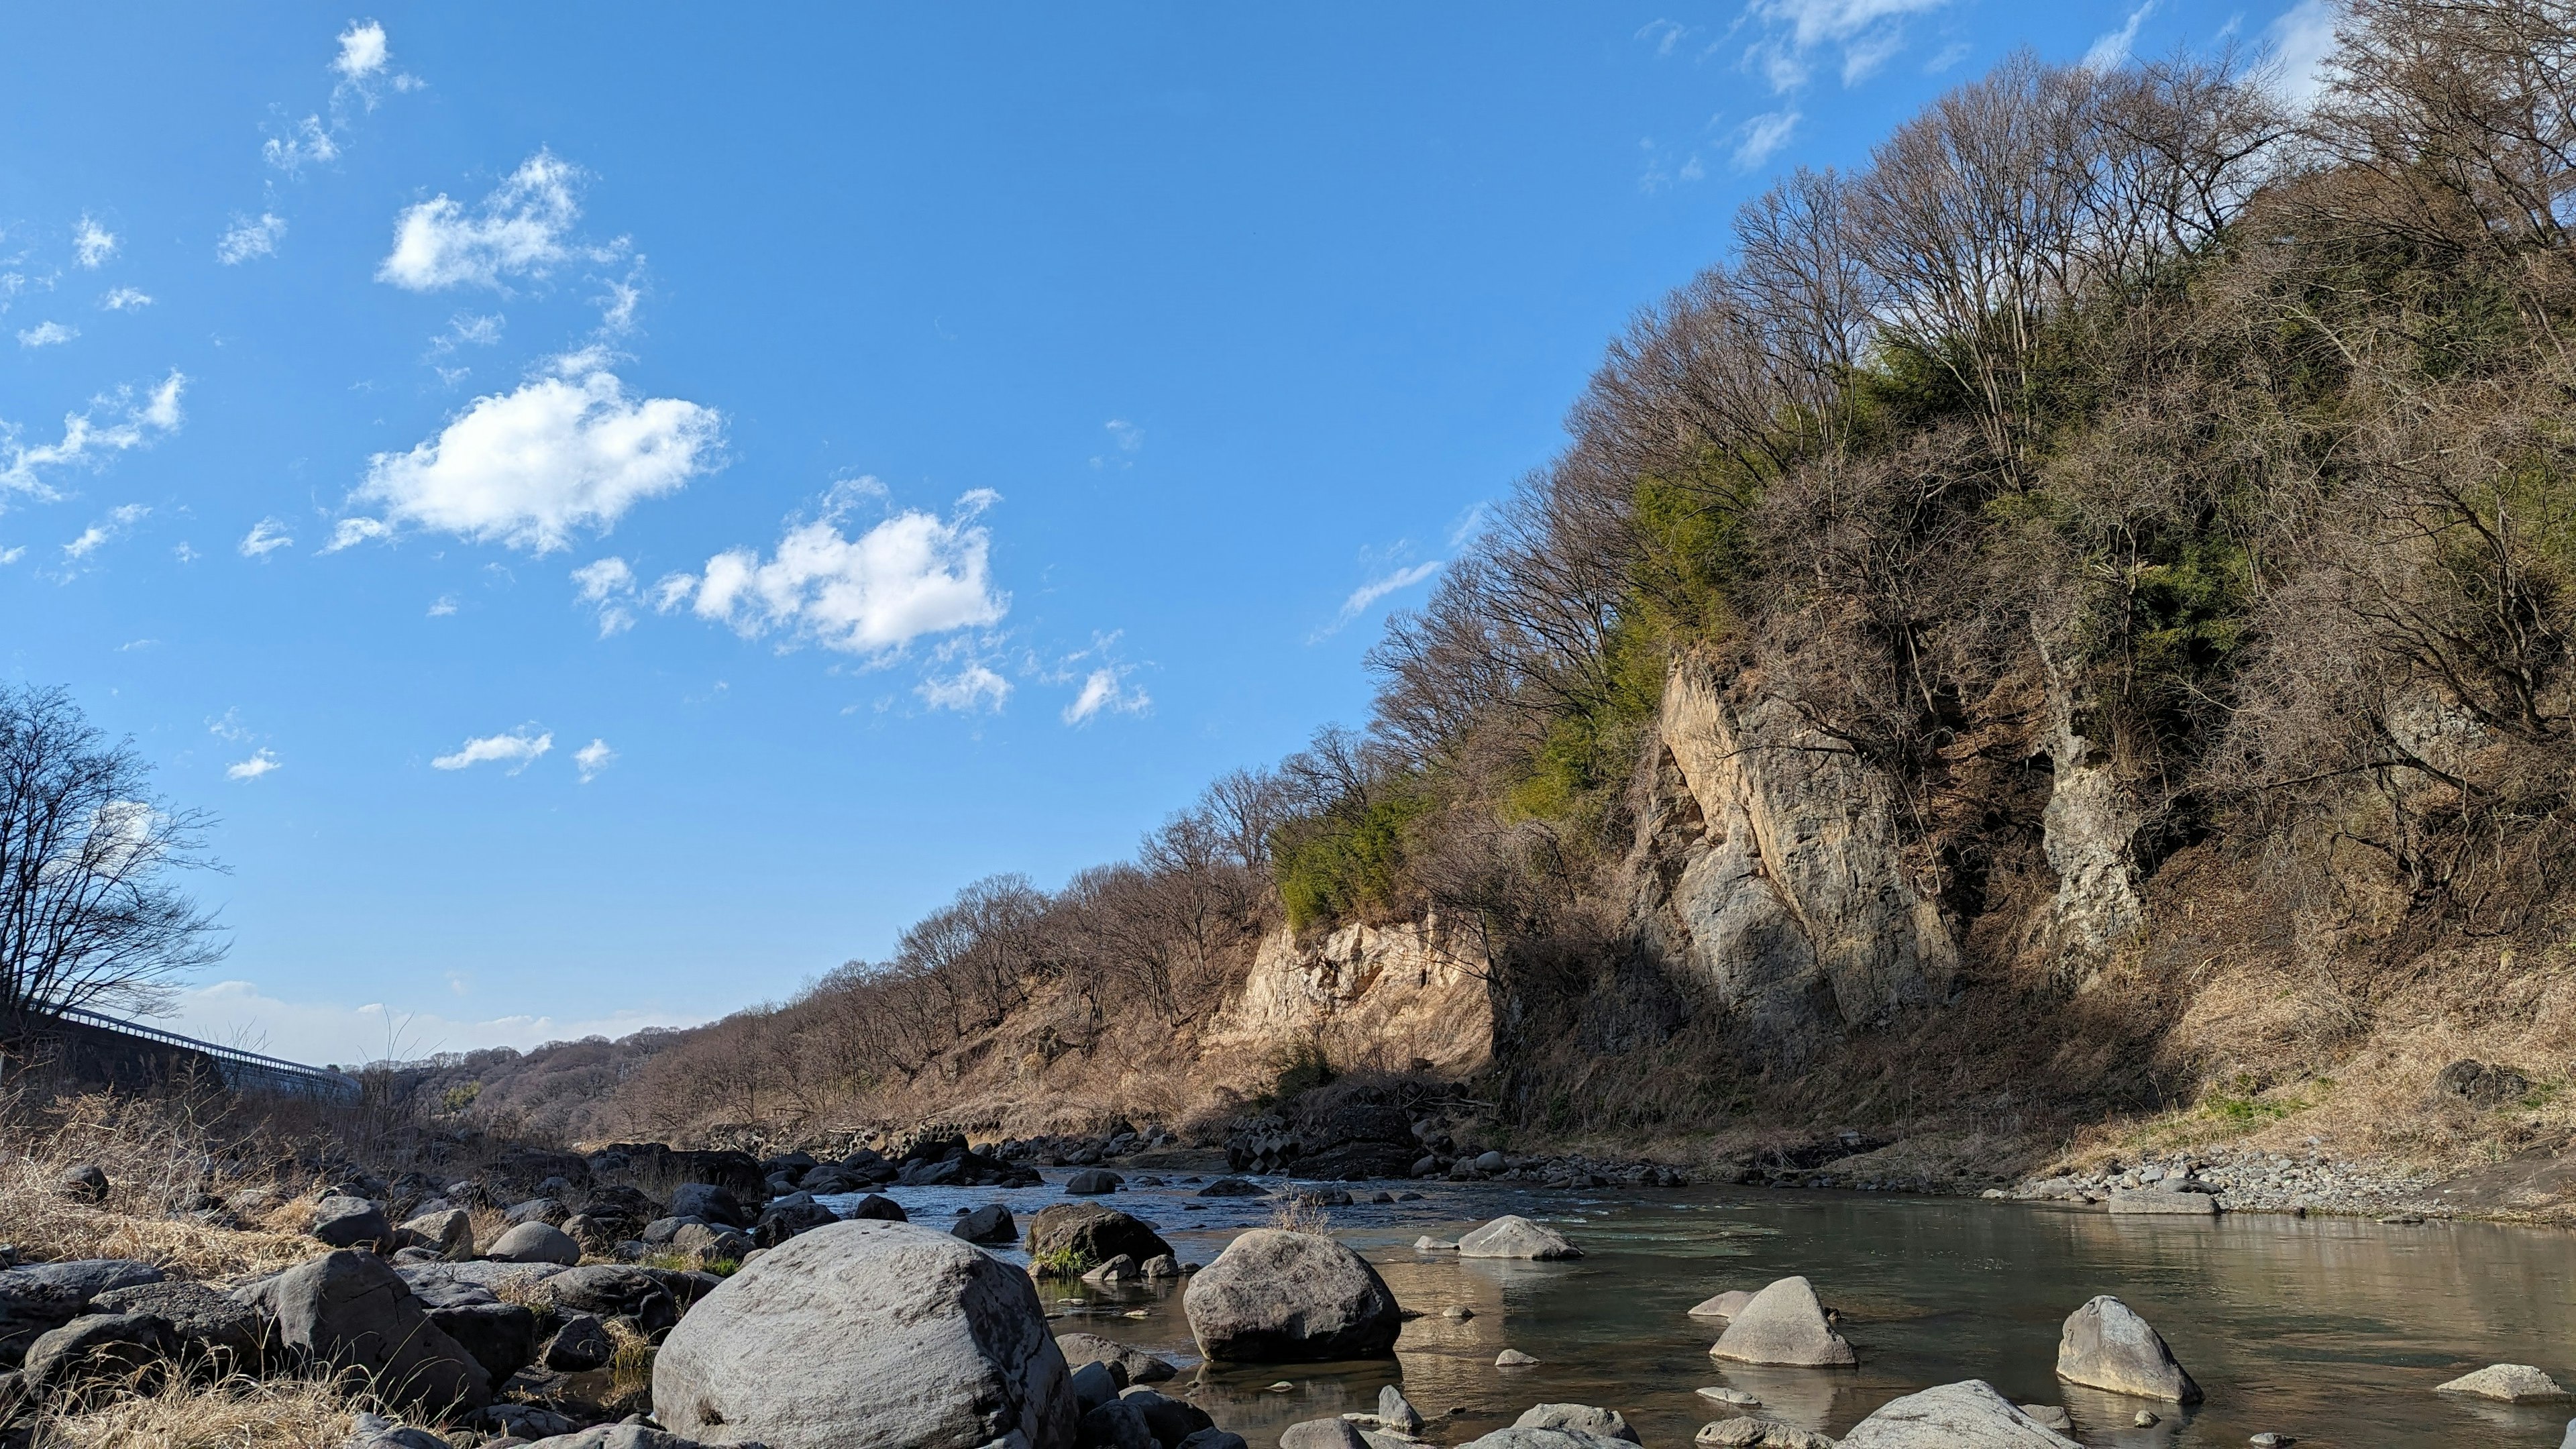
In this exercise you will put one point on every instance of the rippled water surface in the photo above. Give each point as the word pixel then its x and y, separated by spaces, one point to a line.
pixel 2332 1330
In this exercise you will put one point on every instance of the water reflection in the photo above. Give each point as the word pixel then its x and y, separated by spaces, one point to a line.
pixel 2329 1329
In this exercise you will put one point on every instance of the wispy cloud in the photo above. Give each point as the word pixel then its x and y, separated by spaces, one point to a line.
pixel 46 334
pixel 2111 50
pixel 522 229
pixel 608 586
pixel 592 758
pixel 972 690
pixel 1791 35
pixel 1104 692
pixel 248 237
pixel 265 537
pixel 125 299
pixel 518 749
pixel 1375 589
pixel 2301 41
pixel 442 606
pixel 119 522
pixel 306 143
pixel 260 763
pixel 1760 138
pixel 1666 36
pixel 92 244
pixel 1126 440
pixel 87 442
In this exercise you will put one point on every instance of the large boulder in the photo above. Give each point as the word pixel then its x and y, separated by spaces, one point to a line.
pixel 868 1335
pixel 1968 1415
pixel 613 1290
pixel 1322 1434
pixel 349 1310
pixel 351 1222
pixel 1722 1306
pixel 1511 1236
pixel 877 1207
pixel 41 1297
pixel 1608 1423
pixel 1092 1233
pixel 709 1202
pixel 97 1350
pixel 1783 1324
pixel 534 1242
pixel 214 1331
pixel 1517 1437
pixel 1281 1297
pixel 991 1223
pixel 2512 1383
pixel 2105 1345
pixel 1171 1420
pixel 1139 1366
pixel 1093 1181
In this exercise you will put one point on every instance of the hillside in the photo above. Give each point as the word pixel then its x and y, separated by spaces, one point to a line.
pixel 2057 642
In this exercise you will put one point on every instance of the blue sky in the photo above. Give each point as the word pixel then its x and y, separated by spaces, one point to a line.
pixel 619 509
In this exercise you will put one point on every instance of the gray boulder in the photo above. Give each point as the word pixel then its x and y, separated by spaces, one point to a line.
pixel 869 1335
pixel 523 1421
pixel 2105 1345
pixel 375 1431
pixel 619 1436
pixel 351 1222
pixel 537 1210
pixel 349 1310
pixel 1280 1297
pixel 1095 1384
pixel 1092 1181
pixel 990 1223
pixel 1322 1434
pixel 1139 1366
pixel 29 1309
pixel 1171 1420
pixel 582 1344
pixel 1783 1324
pixel 1968 1415
pixel 710 1202
pixel 1092 1233
pixel 1511 1236
pixel 1396 1412
pixel 614 1290
pixel 89 1277
pixel 100 1349
pixel 214 1331
pixel 877 1207
pixel 1608 1423
pixel 788 1216
pixel 1233 1187
pixel 1517 1437
pixel 449 1233
pixel 2511 1383
pixel 534 1242
pixel 1724 1305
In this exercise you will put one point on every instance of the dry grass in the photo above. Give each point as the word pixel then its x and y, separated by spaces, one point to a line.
pixel 153 1151
pixel 237 1413
pixel 630 1365
pixel 1295 1212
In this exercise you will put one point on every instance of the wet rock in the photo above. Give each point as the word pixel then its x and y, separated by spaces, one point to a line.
pixel 1724 1305
pixel 1512 1236
pixel 1428 1244
pixel 1139 1366
pixel 991 1223
pixel 2512 1383
pixel 1162 1267
pixel 2106 1345
pixel 1732 1398
pixel 1396 1412
pixel 1092 1182
pixel 1513 1358
pixel 1969 1415
pixel 1233 1187
pixel 1783 1324
pixel 806 1348
pixel 1280 1297
pixel 1092 1233
pixel 1608 1423
pixel 1121 1269
pixel 534 1242
pixel 2050 1416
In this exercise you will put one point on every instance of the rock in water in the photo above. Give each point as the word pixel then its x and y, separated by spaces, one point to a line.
pixel 1140 1367
pixel 1520 1438
pixel 990 1223
pixel 1322 1434
pixel 1396 1412
pixel 1092 1233
pixel 2513 1383
pixel 1516 1237
pixel 1968 1415
pixel 1093 1181
pixel 1513 1358
pixel 868 1335
pixel 1724 1305
pixel 1783 1324
pixel 1608 1423
pixel 2105 1345
pixel 349 1309
pixel 1280 1297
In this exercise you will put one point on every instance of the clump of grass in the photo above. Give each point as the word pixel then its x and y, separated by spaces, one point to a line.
pixel 1298 1213
pixel 1059 1263
pixel 630 1361
pixel 234 1413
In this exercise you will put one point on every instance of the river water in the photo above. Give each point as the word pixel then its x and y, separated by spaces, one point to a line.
pixel 2332 1330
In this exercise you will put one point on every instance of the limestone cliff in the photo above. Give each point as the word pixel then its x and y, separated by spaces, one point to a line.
pixel 1370 997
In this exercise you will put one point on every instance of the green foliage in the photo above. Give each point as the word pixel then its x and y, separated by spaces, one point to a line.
pixel 1302 1068
pixel 1331 867
pixel 1064 1262
pixel 458 1098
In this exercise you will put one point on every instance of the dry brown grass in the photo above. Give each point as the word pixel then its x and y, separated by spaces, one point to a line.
pixel 153 1151
pixel 1295 1212
pixel 237 1413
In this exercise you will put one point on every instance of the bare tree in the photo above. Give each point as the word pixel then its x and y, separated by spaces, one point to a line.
pixel 89 914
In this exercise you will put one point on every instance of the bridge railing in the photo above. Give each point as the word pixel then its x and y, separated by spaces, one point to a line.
pixel 241 1070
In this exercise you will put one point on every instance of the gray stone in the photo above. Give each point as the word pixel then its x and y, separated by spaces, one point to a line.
pixel 582 1344
pixel 709 1202
pixel 788 1216
pixel 1171 1420
pixel 450 1234
pixel 616 1290
pixel 1607 1423
pixel 1725 1305
pixel 1783 1324
pixel 1160 1267
pixel 1969 1415
pixel 85 1183
pixel 1520 1438
pixel 351 1222
pixel 1139 1366
pixel 1512 1236
pixel 100 1349
pixel 991 1223
pixel 1322 1434
pixel 1396 1411
pixel 213 1330
pixel 1277 1297
pixel 1213 1439
pixel 1752 1433
pixel 348 1309
pixel 375 1431
pixel 500 1336
pixel 523 1421
pixel 619 1436
pixel 1096 1383
pixel 869 1335
pixel 537 1210
pixel 1429 1244
pixel 1513 1358
pixel 2162 1201
pixel 2512 1383
pixel 87 1277
pixel 1091 1182
pixel 878 1208
pixel 534 1242
pixel 1092 1233
pixel 2105 1345
pixel 1233 1187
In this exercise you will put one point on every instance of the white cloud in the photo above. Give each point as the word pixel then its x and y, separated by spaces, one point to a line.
pixel 1948 56
pixel 260 763
pixel 184 551
pixel 118 522
pixel 1867 32
pixel 519 749
pixel 442 606
pixel 1664 35
pixel 338 1033
pixel 522 229
pixel 363 51
pixel 250 237
pixel 592 758
pixel 85 441
pixel 2302 41
pixel 306 143
pixel 350 532
pixel 12 555
pixel 229 727
pixel 2111 50
pixel 93 243
pixel 1129 440
pixel 1103 691
pixel 1758 139
pixel 265 537
pixel 46 334
pixel 125 299
pixel 1374 590
pixel 529 467
pixel 971 690
pixel 912 575
pixel 608 586
pixel 468 329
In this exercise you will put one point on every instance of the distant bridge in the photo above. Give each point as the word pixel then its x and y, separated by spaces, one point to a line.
pixel 129 1054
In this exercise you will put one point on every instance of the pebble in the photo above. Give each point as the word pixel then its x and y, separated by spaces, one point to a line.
pixel 2146 1419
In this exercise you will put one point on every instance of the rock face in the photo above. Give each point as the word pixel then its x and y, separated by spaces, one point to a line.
pixel 348 1309
pixel 2513 1383
pixel 2105 1345
pixel 1282 1297
pixel 2087 831
pixel 1968 1415
pixel 1768 867
pixel 1095 1234
pixel 1783 1324
pixel 868 1335
pixel 1516 1237
pixel 1400 992
pixel 1608 1423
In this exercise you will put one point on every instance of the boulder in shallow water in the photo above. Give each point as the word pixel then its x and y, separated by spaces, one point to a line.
pixel 2512 1383
pixel 990 1223
pixel 1608 1423
pixel 1520 1438
pixel 1783 1324
pixel 1140 1367
pixel 2106 1345
pixel 878 1208
pixel 1512 1236
pixel 1396 1412
pixel 1280 1297
pixel 1091 1182
pixel 868 1335
pixel 1092 1233
pixel 1969 1415
pixel 1322 1434
pixel 1724 1305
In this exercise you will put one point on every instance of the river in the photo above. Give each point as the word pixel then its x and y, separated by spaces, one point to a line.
pixel 2333 1330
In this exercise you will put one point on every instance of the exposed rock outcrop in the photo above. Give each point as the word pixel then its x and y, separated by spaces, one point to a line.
pixel 1368 996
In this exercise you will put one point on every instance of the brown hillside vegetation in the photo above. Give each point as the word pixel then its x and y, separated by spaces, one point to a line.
pixel 2062 631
